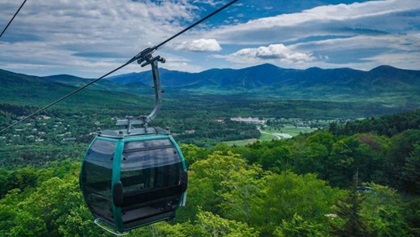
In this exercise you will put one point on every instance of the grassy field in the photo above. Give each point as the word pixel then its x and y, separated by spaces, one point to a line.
pixel 269 134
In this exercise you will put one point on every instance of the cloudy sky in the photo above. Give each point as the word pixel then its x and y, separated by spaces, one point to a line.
pixel 88 38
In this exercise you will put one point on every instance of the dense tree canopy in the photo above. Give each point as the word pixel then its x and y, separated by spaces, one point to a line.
pixel 297 187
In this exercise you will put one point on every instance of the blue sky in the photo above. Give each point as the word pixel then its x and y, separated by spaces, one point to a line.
pixel 88 38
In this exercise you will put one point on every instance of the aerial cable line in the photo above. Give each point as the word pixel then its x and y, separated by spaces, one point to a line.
pixel 140 57
pixel 196 23
pixel 5 28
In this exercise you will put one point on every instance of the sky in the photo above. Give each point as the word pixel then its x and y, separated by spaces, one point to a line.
pixel 88 38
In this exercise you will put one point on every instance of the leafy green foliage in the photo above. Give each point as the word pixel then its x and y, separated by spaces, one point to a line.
pixel 383 209
pixel 53 207
pixel 226 197
pixel 288 195
pixel 299 226
pixel 212 225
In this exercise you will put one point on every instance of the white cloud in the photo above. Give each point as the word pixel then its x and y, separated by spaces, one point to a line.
pixel 274 52
pixel 373 16
pixel 200 45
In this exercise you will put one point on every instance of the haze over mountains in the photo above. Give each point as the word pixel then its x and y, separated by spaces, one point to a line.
pixel 383 84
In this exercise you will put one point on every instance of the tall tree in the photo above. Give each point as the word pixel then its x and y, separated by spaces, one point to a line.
pixel 411 171
pixel 239 193
pixel 349 222
pixel 403 159
pixel 206 179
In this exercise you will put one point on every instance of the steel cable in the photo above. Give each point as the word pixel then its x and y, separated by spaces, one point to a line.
pixel 7 26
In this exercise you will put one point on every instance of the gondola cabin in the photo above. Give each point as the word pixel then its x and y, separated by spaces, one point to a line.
pixel 133 178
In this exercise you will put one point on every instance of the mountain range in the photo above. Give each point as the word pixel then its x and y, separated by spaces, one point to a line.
pixel 385 84
pixel 270 79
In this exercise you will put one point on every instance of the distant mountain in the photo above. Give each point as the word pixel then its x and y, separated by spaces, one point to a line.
pixel 346 84
pixel 384 84
pixel 18 87
pixel 221 79
pixel 36 91
pixel 105 85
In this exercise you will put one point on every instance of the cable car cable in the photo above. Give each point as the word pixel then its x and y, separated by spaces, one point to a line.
pixel 5 28
pixel 196 23
pixel 140 57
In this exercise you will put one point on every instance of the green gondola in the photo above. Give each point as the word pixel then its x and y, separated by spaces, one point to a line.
pixel 131 181
pixel 136 176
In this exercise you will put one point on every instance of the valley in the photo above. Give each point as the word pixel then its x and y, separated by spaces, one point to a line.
pixel 247 149
pixel 198 107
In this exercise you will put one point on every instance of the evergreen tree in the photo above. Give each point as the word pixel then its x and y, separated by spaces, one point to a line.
pixel 349 222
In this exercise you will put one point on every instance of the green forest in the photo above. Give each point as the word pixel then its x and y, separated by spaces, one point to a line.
pixel 359 178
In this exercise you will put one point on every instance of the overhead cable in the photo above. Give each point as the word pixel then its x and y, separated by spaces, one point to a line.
pixel 5 28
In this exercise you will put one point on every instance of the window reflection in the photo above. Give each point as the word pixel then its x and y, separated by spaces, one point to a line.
pixel 97 178
pixel 101 153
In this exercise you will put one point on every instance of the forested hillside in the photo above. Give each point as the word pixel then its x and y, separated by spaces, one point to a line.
pixel 332 182
pixel 386 86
